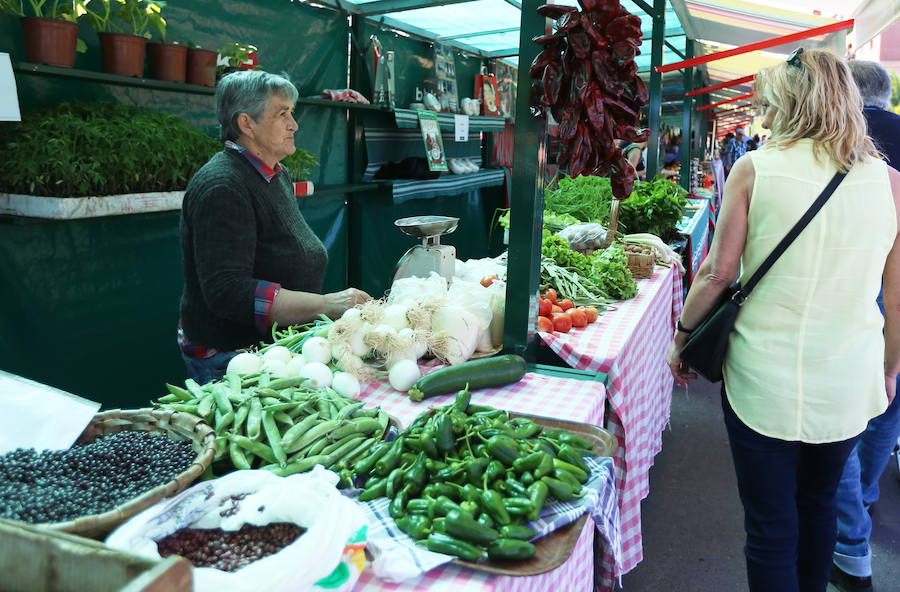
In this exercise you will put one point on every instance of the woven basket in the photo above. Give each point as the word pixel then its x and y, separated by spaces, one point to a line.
pixel 641 260
pixel 180 426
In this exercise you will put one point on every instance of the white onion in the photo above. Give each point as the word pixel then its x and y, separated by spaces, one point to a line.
pixel 395 316
pixel 352 316
pixel 276 368
pixel 345 384
pixel 318 375
pixel 316 349
pixel 357 341
pixel 277 352
pixel 295 364
pixel 244 363
pixel 403 375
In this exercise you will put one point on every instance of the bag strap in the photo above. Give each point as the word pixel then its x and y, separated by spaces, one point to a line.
pixel 742 294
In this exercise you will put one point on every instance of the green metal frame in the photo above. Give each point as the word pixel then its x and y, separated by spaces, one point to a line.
pixel 526 200
pixel 687 108
pixel 658 14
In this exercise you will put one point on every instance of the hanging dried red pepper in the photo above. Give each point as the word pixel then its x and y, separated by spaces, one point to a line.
pixel 586 78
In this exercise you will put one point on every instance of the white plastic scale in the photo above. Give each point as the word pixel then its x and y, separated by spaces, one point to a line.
pixel 431 255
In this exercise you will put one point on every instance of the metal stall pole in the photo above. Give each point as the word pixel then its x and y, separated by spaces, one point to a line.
pixel 687 106
pixel 526 200
pixel 658 14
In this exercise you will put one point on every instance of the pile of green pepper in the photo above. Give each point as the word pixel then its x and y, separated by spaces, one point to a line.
pixel 466 479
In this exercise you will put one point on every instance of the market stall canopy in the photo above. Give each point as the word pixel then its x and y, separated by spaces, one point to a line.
pixel 717 25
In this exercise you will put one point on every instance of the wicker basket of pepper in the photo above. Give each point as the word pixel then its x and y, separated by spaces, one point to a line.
pixel 123 462
pixel 641 260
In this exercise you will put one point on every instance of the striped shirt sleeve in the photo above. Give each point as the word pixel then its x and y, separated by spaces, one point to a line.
pixel 262 304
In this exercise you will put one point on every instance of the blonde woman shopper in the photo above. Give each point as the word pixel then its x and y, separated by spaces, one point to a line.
pixel 807 365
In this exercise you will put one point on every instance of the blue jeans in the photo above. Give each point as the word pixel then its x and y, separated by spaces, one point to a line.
pixel 790 513
pixel 858 490
pixel 204 370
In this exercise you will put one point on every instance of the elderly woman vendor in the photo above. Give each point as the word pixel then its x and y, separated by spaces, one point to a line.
pixel 250 259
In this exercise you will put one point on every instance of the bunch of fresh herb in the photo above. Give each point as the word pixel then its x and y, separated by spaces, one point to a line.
pixel 73 150
pixel 552 221
pixel 586 198
pixel 611 272
pixel 654 207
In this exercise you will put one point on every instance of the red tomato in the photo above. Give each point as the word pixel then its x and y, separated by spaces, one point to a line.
pixel 579 318
pixel 562 323
pixel 544 325
pixel 550 295
pixel 488 280
pixel 554 309
pixel 591 313
pixel 566 304
pixel 544 307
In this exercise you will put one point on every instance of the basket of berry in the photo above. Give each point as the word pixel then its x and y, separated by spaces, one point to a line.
pixel 123 462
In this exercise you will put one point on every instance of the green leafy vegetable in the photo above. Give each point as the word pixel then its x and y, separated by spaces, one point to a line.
pixel 586 198
pixel 654 207
pixel 612 274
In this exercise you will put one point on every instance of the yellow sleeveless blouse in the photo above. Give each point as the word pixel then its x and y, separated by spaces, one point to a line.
pixel 806 358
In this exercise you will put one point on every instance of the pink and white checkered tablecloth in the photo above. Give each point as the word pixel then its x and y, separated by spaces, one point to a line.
pixel 630 344
pixel 536 394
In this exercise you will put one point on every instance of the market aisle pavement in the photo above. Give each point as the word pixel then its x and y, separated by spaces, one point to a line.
pixel 692 521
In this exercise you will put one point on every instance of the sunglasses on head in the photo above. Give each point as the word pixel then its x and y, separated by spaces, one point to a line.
pixel 794 58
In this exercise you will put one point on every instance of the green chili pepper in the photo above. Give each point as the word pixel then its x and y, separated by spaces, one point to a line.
pixel 485 519
pixel 416 475
pixel 560 465
pixel 517 506
pixel 439 525
pixel 463 526
pixel 517 531
pixel 390 460
pixel 511 550
pixel 559 489
pixel 492 502
pixel 471 508
pixel 394 482
pixel 470 493
pixel 424 442
pixel 504 449
pixel 435 490
pixel 373 479
pixel 537 492
pixel 482 410
pixel 452 473
pixel 475 469
pixel 398 504
pixel 463 398
pixel 527 478
pixel 515 487
pixel 417 526
pixel 545 467
pixel 480 450
pixel 573 440
pixel 420 506
pixel 570 455
pixel 528 462
pixel 569 479
pixel 494 470
pixel 365 465
pixel 443 505
pixel 528 430
pixel 375 490
pixel 442 543
pixel 443 433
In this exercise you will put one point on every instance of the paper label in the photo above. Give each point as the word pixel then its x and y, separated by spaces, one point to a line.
pixel 9 98
pixel 461 125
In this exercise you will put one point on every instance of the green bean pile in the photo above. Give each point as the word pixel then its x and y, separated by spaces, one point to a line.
pixel 280 425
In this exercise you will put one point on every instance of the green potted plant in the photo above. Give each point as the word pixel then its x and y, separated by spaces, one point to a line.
pixel 237 56
pixel 123 27
pixel 50 29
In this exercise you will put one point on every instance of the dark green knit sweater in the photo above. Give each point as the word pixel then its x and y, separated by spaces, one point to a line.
pixel 238 230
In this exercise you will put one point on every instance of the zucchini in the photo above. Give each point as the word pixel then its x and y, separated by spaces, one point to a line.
pixel 477 374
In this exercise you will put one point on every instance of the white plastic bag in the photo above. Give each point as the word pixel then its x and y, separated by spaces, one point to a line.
pixel 330 554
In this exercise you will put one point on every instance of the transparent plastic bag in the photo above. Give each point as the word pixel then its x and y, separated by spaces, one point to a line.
pixel 584 237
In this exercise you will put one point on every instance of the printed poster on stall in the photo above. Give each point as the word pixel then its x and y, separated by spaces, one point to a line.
pixel 507 76
pixel 445 68
pixel 431 135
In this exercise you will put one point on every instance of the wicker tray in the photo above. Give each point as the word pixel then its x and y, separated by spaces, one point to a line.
pixel 554 548
pixel 180 426
pixel 641 260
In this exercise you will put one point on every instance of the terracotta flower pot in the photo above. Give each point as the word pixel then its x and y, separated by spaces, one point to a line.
pixel 201 67
pixel 167 61
pixel 123 54
pixel 50 41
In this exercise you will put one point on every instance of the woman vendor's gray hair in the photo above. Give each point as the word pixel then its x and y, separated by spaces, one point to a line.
pixel 247 91
pixel 873 81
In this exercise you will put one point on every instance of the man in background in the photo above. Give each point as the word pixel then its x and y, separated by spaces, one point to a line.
pixel 858 489
pixel 734 149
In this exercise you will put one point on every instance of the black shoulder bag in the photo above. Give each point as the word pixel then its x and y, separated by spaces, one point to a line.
pixel 706 347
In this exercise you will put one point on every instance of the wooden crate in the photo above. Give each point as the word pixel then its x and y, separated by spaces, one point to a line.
pixel 34 558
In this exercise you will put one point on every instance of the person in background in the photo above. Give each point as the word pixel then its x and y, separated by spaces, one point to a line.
pixel 753 143
pixel 858 489
pixel 807 365
pixel 634 154
pixel 734 149
pixel 249 257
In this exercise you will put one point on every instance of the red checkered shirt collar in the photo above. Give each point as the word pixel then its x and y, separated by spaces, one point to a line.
pixel 262 168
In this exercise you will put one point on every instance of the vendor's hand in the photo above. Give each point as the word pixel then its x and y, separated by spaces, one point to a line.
pixel 338 302
pixel 679 368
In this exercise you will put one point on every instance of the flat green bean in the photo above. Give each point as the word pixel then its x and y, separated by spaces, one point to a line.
pixel 273 436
